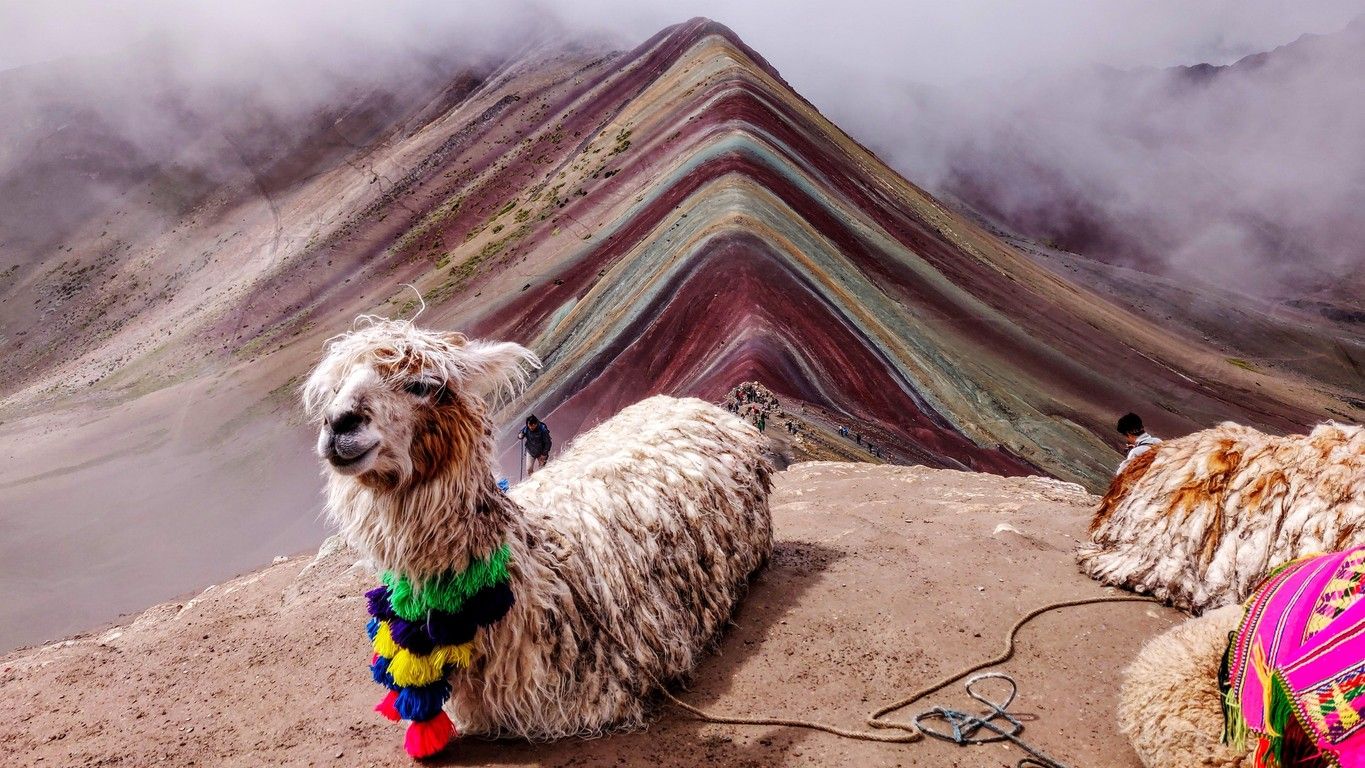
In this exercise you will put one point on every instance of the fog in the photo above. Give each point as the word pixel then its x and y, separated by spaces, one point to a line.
pixel 1053 115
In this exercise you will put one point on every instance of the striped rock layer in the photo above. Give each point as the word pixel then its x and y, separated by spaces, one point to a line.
pixel 729 232
pixel 672 219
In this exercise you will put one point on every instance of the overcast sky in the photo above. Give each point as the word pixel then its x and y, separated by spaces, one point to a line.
pixel 935 42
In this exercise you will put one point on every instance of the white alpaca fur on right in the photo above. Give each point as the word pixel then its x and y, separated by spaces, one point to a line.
pixel 1169 705
pixel 1200 520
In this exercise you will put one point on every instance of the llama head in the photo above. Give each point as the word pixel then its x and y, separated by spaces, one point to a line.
pixel 397 404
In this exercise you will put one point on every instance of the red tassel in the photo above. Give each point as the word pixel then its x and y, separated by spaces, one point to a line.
pixel 1262 756
pixel 386 706
pixel 428 737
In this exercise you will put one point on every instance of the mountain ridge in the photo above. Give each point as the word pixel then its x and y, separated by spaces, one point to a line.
pixel 673 218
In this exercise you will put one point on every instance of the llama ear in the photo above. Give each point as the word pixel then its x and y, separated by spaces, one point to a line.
pixel 496 366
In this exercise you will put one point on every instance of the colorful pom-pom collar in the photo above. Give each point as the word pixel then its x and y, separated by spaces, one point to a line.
pixel 421 633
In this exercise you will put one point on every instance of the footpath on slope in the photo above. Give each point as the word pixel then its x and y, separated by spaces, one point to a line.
pixel 801 431
pixel 884 578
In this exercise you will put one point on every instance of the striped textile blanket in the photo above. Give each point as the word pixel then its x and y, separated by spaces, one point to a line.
pixel 1293 676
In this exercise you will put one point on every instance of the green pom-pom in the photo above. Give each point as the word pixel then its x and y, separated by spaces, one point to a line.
pixel 1235 733
pixel 447 592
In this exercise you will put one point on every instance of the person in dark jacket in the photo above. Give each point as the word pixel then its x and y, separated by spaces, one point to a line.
pixel 1139 442
pixel 535 437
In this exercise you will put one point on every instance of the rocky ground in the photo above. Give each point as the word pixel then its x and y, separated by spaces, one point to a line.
pixel 883 578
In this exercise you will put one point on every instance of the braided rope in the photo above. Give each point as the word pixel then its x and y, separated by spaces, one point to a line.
pixel 908 732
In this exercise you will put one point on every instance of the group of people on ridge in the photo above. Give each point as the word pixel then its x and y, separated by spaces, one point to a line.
pixel 857 437
pixel 753 402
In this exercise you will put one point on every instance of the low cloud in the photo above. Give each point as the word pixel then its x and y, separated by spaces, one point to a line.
pixel 1053 113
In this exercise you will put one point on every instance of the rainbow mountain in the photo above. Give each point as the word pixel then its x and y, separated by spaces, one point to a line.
pixel 670 219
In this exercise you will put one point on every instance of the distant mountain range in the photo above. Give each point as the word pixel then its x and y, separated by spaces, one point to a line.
pixel 1249 175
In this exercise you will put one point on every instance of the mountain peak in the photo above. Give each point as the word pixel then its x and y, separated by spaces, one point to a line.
pixel 679 38
pixel 700 27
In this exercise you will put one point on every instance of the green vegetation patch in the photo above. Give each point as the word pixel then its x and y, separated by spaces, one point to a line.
pixel 462 273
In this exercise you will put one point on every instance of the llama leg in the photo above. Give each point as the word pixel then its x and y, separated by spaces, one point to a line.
pixel 469 714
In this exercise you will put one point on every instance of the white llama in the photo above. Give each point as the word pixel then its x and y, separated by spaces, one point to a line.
pixel 1170 707
pixel 625 557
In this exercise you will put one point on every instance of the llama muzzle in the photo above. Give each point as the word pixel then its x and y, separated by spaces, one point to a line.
pixel 346 442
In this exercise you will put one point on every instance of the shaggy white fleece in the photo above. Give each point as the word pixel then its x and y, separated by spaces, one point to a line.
pixel 629 552
pixel 1169 704
pixel 1203 521
pixel 649 525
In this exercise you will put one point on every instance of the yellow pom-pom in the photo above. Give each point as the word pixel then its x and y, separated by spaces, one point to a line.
pixel 410 670
pixel 383 642
pixel 460 655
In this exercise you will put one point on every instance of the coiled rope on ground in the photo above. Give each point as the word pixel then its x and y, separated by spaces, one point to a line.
pixel 907 733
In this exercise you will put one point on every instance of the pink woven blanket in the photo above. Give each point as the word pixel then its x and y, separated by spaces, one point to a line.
pixel 1295 667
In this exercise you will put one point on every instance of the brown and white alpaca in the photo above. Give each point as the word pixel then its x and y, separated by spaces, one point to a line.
pixel 628 553
pixel 1200 520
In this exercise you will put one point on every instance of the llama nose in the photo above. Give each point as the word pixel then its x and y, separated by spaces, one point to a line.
pixel 346 423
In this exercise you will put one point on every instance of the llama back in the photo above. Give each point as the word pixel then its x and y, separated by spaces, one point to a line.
pixel 1204 520
pixel 640 539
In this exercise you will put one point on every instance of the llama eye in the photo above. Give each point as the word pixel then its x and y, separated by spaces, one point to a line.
pixel 420 388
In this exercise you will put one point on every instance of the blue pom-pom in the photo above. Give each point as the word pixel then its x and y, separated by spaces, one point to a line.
pixel 424 703
pixel 372 628
pixel 482 609
pixel 411 636
pixel 380 670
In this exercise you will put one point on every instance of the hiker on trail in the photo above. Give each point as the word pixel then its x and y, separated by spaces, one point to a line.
pixel 1139 442
pixel 535 437
pixel 762 421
